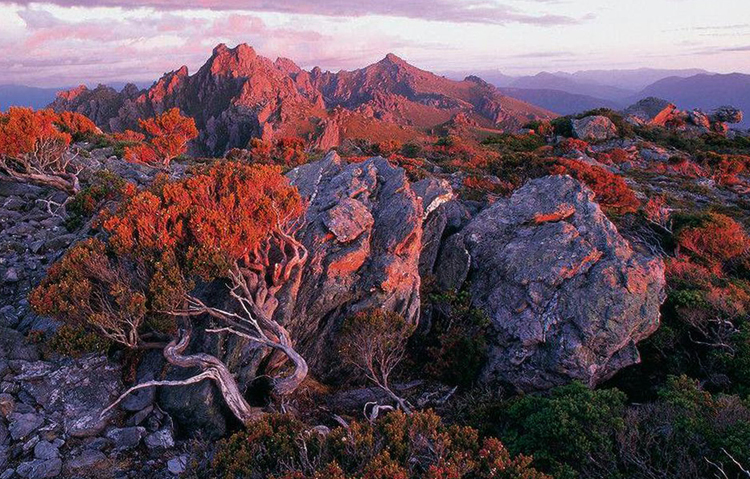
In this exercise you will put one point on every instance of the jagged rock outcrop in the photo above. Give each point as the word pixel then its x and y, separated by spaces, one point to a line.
pixel 651 111
pixel 657 112
pixel 238 95
pixel 568 297
pixel 726 114
pixel 594 128
pixel 363 230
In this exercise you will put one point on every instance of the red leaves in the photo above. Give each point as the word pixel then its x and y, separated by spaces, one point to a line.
pixel 169 135
pixel 25 132
pixel 718 239
pixel 220 214
pixel 77 125
pixel 610 189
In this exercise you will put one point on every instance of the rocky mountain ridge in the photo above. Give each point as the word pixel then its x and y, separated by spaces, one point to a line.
pixel 238 95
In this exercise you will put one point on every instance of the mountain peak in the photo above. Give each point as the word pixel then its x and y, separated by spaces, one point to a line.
pixel 232 61
pixel 393 59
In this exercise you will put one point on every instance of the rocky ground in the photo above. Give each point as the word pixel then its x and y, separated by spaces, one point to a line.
pixel 568 295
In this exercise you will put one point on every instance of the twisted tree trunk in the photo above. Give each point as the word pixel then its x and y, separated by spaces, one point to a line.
pixel 212 368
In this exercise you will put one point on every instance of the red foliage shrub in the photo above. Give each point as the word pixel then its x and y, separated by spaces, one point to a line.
pixel 615 156
pixel 679 165
pixel 141 153
pixel 129 136
pixel 170 133
pixel 32 149
pixel 484 186
pixel 610 189
pixel 286 152
pixel 569 145
pixel 214 217
pixel 25 133
pixel 396 446
pixel 657 212
pixel 716 239
pixel 77 125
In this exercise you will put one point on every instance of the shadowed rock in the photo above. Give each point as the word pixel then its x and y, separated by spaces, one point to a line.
pixel 567 295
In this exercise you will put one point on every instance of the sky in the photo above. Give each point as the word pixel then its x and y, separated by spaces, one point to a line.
pixel 69 42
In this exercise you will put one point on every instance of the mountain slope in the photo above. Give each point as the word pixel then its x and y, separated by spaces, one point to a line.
pixel 238 95
pixel 18 95
pixel 560 102
pixel 703 91
pixel 551 81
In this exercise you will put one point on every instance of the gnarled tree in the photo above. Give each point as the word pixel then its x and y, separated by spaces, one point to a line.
pixel 33 149
pixel 228 222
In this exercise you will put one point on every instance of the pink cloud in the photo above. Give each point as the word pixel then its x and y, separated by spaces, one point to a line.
pixel 471 11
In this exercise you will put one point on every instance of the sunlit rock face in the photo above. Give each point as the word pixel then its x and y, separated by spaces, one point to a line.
pixel 363 231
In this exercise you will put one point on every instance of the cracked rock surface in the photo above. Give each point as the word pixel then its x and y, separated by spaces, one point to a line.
pixel 567 295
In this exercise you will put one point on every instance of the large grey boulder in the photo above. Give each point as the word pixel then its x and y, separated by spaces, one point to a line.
pixel 594 128
pixel 363 231
pixel 567 295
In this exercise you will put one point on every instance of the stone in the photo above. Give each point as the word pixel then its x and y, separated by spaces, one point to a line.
pixel 8 317
pixel 7 404
pixel 594 128
pixel 11 275
pixel 78 389
pixel 137 418
pixel 40 469
pixel 161 439
pixel 21 425
pixel 651 111
pixel 45 450
pixel 89 459
pixel 726 114
pixel 567 295
pixel 126 438
pixel 14 346
pixel 177 465
pixel 363 231
pixel 4 434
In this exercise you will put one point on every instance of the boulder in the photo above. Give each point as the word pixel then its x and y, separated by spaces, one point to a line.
pixel 651 111
pixel 363 231
pixel 88 460
pixel 567 295
pixel 726 114
pixel 40 469
pixel 126 438
pixel 594 128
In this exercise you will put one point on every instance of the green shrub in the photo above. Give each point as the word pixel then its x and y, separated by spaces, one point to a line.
pixel 573 429
pixel 104 186
pixel 457 346
pixel 76 341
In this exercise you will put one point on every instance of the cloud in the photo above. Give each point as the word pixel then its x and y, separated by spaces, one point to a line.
pixel 60 51
pixel 455 11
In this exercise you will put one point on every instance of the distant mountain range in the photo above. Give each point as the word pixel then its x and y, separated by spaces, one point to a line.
pixel 433 99
pixel 704 91
pixel 19 95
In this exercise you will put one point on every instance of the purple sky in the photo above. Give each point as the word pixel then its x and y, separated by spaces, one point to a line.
pixel 66 42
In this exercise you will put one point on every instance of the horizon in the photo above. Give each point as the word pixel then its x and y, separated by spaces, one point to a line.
pixel 70 42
